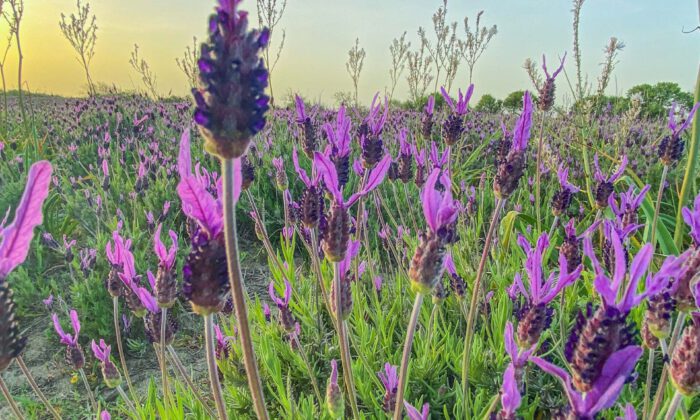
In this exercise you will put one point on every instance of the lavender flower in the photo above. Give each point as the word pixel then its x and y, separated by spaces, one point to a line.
pixel 626 212
pixel 510 395
pixel 334 396
pixel 546 91
pixel 537 315
pixel 286 317
pixel 671 147
pixel 605 184
pixel 454 124
pixel 110 373
pixel 511 166
pixel 562 198
pixel 74 353
pixel 230 100
pixel 165 286
pixel 17 236
pixel 413 414
pixel 390 380
pixel 607 387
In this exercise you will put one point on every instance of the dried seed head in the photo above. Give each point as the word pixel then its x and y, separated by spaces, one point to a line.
pixel 337 233
pixel 601 335
pixel 671 150
pixel 427 263
pixel 685 363
pixel 509 173
pixel 205 275
pixel 11 343
pixel 534 321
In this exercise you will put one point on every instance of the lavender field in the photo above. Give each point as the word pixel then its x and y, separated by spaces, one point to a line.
pixel 432 252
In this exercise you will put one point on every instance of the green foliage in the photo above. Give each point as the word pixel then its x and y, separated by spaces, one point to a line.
pixel 488 103
pixel 656 99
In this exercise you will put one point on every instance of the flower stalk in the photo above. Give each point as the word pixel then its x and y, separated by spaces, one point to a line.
pixel 474 300
pixel 35 387
pixel 10 401
pixel 120 349
pixel 345 357
pixel 238 292
pixel 163 363
pixel 408 344
pixel 89 390
pixel 212 367
pixel 175 359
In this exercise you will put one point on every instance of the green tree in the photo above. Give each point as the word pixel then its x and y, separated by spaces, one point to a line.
pixel 656 99
pixel 488 103
pixel 514 101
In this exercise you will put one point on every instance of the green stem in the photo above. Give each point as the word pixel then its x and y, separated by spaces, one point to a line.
pixel 660 390
pixel 474 302
pixel 647 387
pixel 538 175
pixel 175 359
pixel 163 363
pixel 11 402
pixel 345 357
pixel 126 399
pixel 403 372
pixel 89 390
pixel 35 387
pixel 657 209
pixel 120 348
pixel 310 371
pixel 213 368
pixel 238 293
pixel 675 403
pixel 689 177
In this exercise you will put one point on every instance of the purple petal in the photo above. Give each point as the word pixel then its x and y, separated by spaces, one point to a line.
pixel 184 160
pixel 510 397
pixel 612 378
pixel 574 397
pixel 17 237
pixel 198 204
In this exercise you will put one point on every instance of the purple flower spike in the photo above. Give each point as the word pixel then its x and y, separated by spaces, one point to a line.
pixel 521 134
pixel 439 208
pixel 463 100
pixel 101 351
pixel 606 388
pixel 430 106
pixel 389 378
pixel 675 128
pixel 518 358
pixel 375 122
pixel 405 147
pixel 600 176
pixel 301 110
pixel 543 292
pixel 339 134
pixel 166 256
pixel 197 203
pixel 281 303
pixel 17 236
pixel 510 395
pixel 67 339
pixel 48 301
pixel 302 173
pixel 557 71
pixel 327 170
pixel 610 289
pixel 105 415
pixel 563 175
pixel 413 413
pixel 628 413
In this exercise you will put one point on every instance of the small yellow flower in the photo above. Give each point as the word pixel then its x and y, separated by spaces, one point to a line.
pixel 74 378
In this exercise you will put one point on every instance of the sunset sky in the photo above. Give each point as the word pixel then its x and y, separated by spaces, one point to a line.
pixel 320 32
